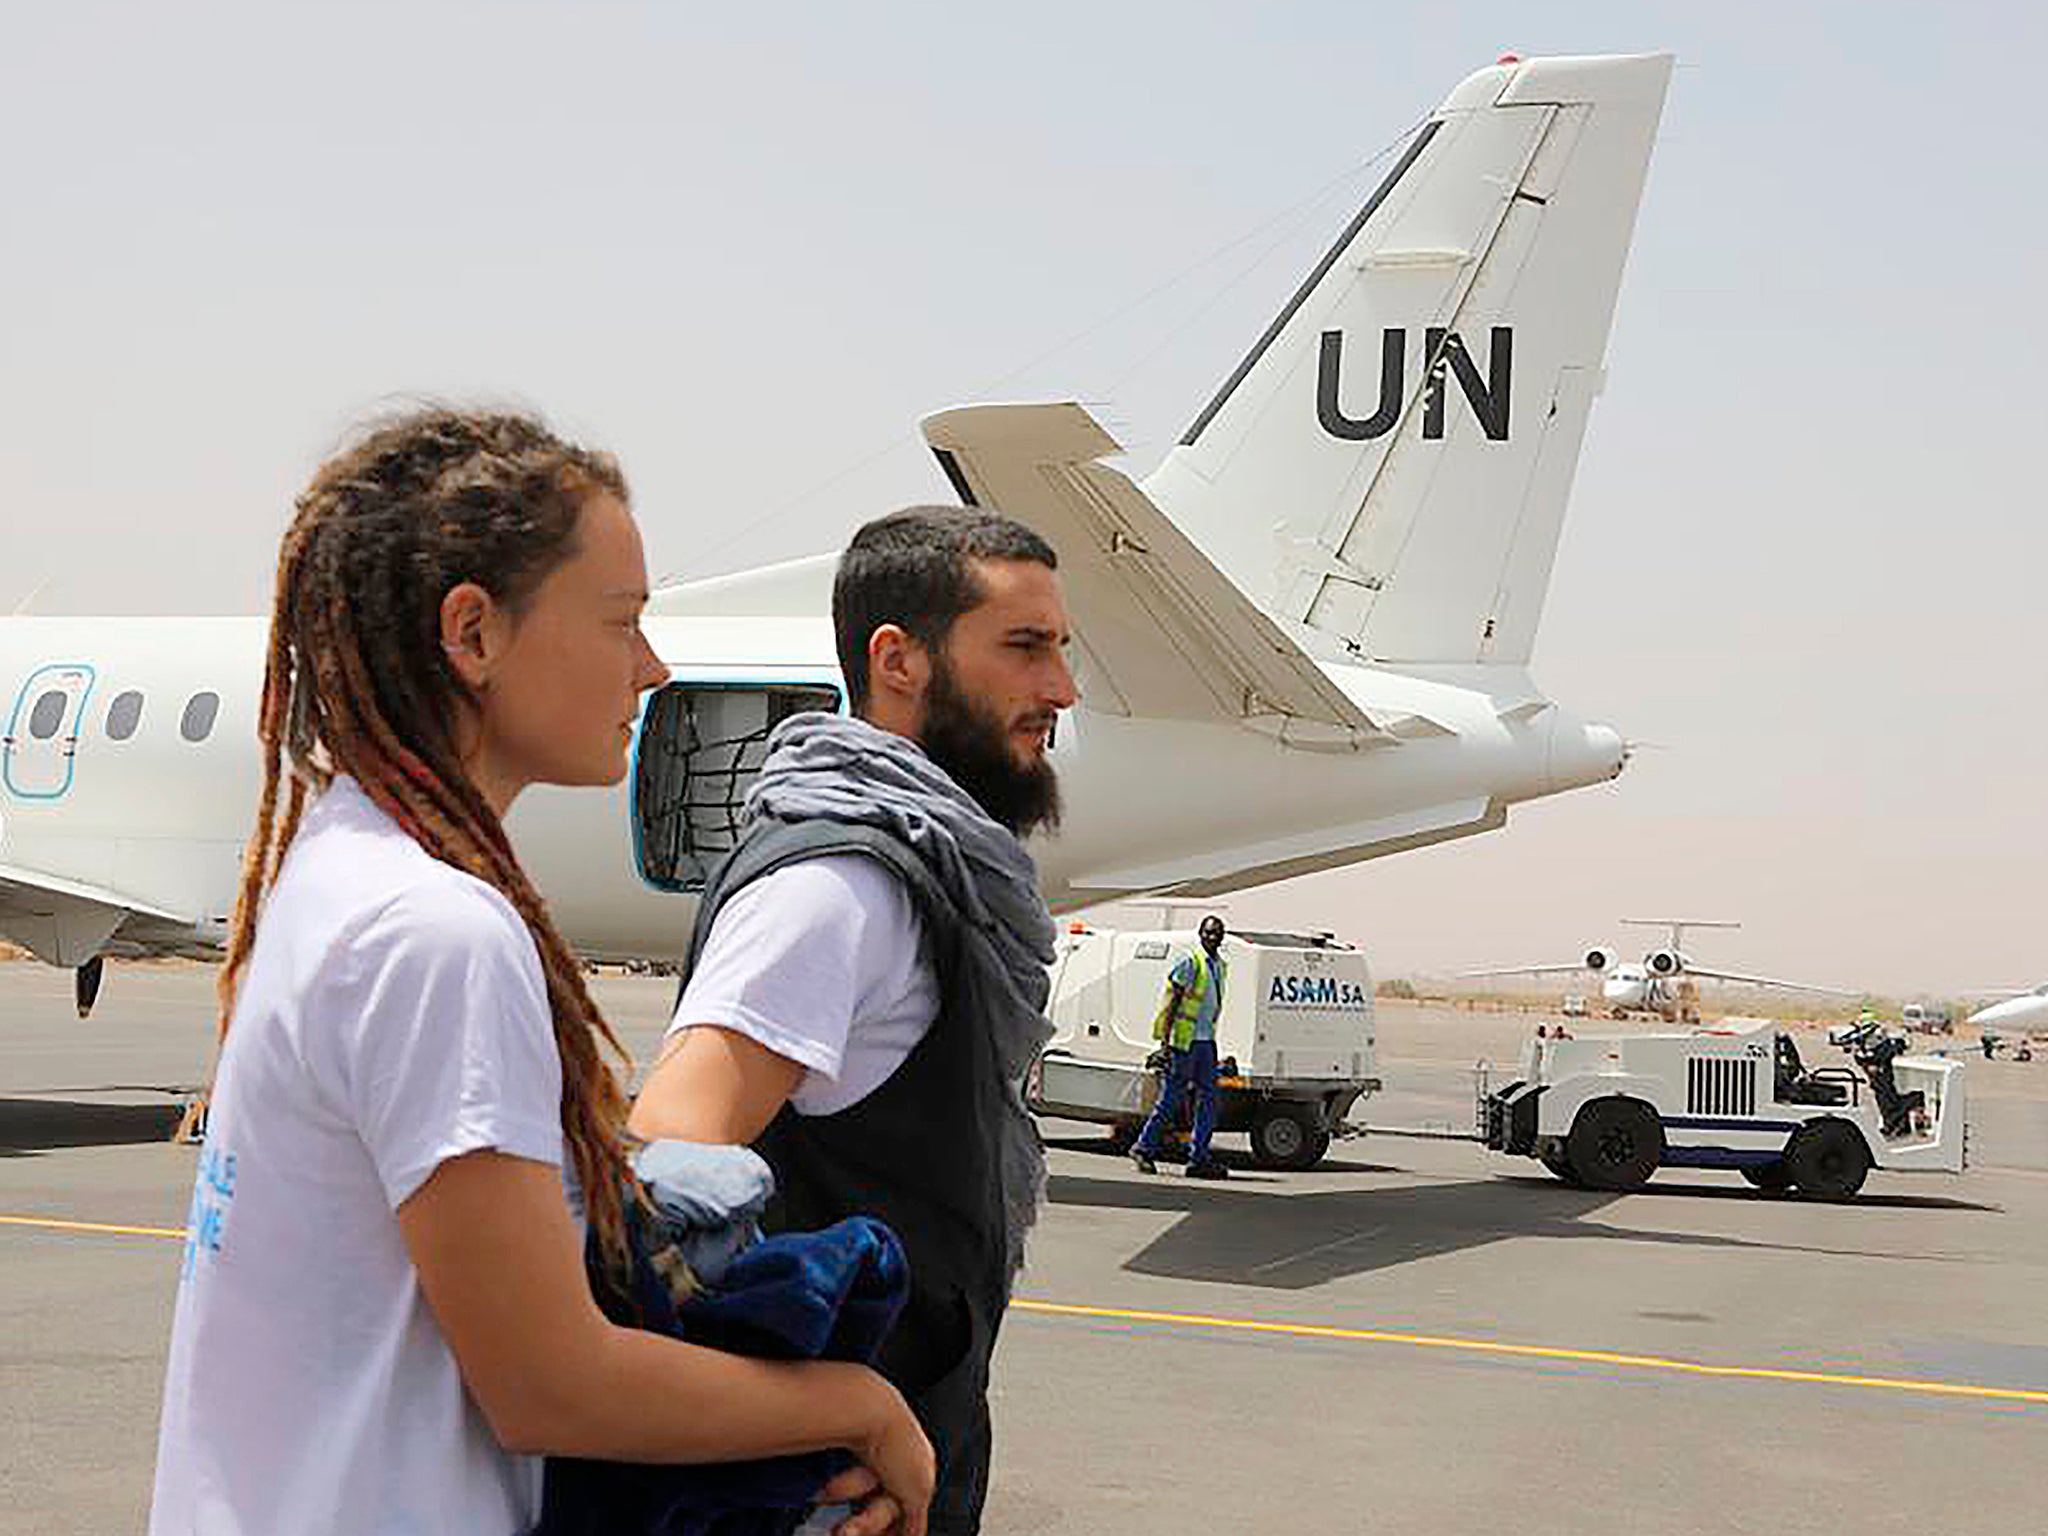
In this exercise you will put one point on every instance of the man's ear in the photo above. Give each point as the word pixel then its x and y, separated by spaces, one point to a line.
pixel 472 633
pixel 899 667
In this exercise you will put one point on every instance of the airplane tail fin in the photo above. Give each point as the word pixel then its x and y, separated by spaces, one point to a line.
pixel 1389 466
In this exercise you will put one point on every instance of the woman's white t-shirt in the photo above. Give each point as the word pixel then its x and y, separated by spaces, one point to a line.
pixel 393 1015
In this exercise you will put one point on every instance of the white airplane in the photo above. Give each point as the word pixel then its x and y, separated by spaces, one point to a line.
pixel 1302 642
pixel 1664 983
pixel 2021 1010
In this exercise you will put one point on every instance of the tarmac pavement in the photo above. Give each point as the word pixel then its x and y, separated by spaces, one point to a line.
pixel 1416 1337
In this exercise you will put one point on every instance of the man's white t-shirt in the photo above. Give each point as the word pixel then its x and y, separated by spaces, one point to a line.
pixel 823 962
pixel 393 1015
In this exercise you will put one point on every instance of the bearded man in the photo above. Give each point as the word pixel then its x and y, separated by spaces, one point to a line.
pixel 868 978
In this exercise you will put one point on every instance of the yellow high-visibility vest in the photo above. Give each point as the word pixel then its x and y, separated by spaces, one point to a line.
pixel 1180 1023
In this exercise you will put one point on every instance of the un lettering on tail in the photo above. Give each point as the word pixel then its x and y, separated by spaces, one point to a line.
pixel 1386 472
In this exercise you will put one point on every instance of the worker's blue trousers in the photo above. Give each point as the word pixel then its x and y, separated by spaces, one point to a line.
pixel 1193 1068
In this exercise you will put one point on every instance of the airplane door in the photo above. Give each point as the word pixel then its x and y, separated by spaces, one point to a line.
pixel 701 746
pixel 41 745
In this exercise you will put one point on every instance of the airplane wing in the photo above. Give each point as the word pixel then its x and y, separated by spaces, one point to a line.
pixel 1525 970
pixel 1163 634
pixel 65 922
pixel 1699 972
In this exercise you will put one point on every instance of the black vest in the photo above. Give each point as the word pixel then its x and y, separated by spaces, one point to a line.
pixel 918 1153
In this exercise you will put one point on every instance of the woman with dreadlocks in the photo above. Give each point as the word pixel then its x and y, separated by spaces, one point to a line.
pixel 384 1318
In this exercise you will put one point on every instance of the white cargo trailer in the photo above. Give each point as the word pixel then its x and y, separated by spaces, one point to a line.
pixel 1295 1037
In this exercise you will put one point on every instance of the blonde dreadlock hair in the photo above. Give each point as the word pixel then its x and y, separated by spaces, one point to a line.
pixel 357 682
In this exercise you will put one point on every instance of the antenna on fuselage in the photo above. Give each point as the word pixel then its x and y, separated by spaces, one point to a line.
pixel 28 602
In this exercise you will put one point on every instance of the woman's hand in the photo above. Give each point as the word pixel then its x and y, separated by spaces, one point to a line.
pixel 893 1484
pixel 501 1265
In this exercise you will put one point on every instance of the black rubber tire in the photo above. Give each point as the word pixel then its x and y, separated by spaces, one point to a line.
pixel 1772 1176
pixel 1828 1160
pixel 1615 1144
pixel 1286 1135
pixel 1559 1165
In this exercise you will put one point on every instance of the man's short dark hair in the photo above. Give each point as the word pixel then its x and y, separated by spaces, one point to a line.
pixel 914 569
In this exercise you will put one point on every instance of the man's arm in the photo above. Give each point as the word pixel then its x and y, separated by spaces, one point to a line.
pixel 771 998
pixel 1178 980
pixel 1162 1024
pixel 713 1085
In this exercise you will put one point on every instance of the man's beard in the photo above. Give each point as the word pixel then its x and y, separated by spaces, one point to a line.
pixel 968 741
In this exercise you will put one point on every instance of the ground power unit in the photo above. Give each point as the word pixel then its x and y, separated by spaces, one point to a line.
pixel 1295 1037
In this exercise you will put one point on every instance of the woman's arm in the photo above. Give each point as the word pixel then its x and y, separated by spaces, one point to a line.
pixel 501 1265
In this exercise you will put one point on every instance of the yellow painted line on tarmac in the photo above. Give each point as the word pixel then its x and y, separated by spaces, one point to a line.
pixel 1351 1335
pixel 50 1223
pixel 1535 1352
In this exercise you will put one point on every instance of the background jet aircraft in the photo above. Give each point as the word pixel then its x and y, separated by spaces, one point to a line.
pixel 2020 1011
pixel 1302 642
pixel 1664 982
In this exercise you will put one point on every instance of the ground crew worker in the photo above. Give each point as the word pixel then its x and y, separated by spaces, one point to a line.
pixel 1187 1025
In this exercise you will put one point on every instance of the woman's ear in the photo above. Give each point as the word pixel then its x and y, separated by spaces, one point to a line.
pixel 469 633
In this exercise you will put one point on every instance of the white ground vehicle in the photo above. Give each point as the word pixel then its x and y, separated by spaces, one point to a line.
pixel 1295 1038
pixel 1609 1110
pixel 1928 1018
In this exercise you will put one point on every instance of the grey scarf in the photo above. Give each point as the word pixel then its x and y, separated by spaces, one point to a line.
pixel 836 768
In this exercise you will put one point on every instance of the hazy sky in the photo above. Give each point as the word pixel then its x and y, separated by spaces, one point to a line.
pixel 746 247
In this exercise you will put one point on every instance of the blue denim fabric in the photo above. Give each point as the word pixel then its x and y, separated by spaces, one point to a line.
pixel 830 1295
pixel 1192 1069
pixel 710 1197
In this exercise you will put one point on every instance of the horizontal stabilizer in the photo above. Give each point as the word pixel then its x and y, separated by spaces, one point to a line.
pixel 1161 632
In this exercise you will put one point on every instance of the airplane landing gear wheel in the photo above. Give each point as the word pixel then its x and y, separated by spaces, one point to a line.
pixel 1615 1144
pixel 86 984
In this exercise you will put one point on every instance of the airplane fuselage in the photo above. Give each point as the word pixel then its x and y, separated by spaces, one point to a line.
pixel 1633 989
pixel 138 780
pixel 1301 642
pixel 2027 1011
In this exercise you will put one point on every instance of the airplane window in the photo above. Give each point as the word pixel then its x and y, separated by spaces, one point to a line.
pixel 47 715
pixel 200 712
pixel 123 715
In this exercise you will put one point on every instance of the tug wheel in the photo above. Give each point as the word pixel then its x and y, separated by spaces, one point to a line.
pixel 1769 1175
pixel 1287 1136
pixel 1615 1144
pixel 1560 1165
pixel 1828 1160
